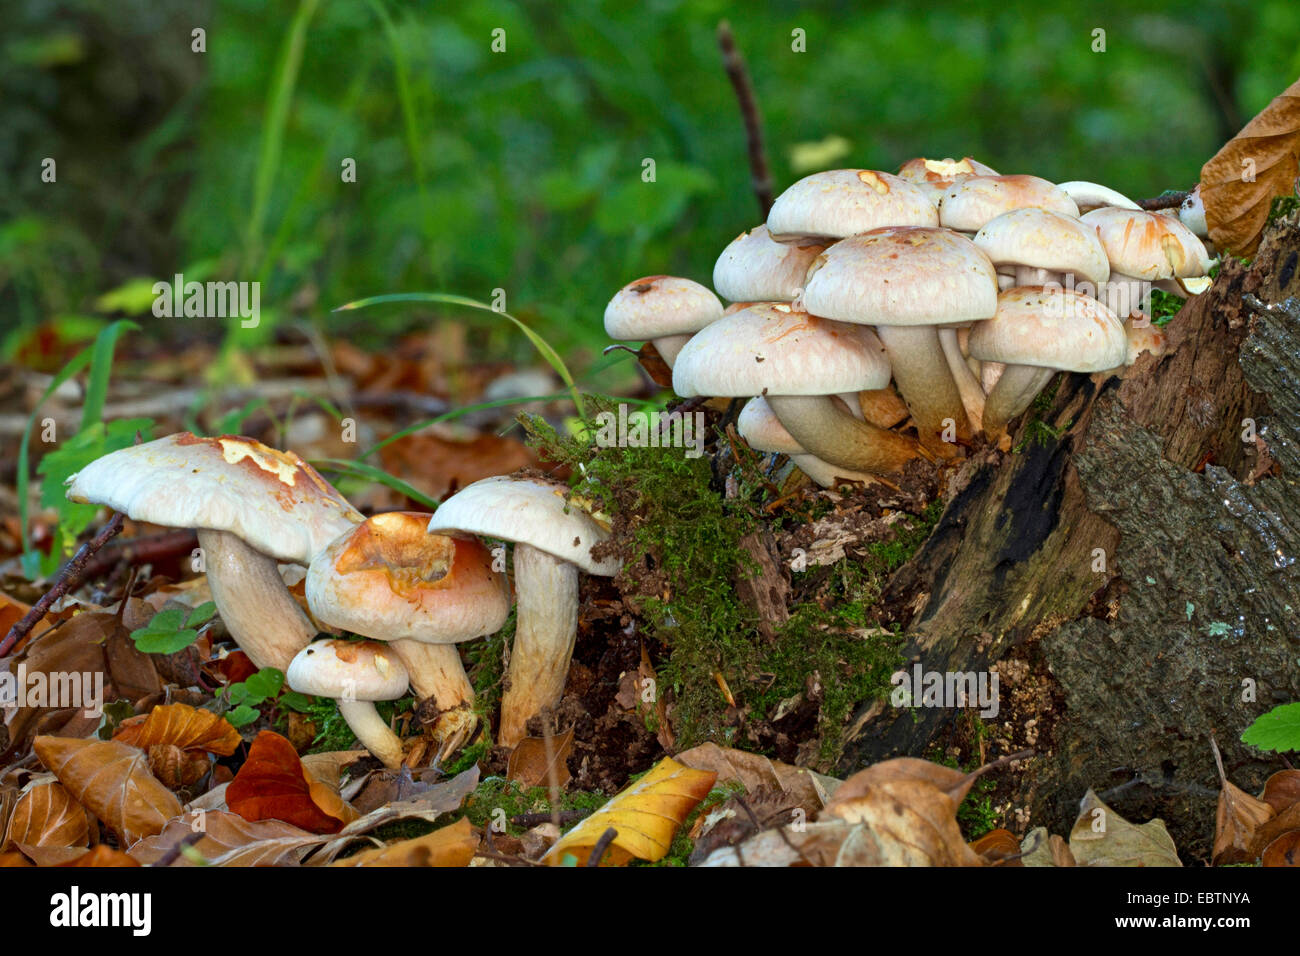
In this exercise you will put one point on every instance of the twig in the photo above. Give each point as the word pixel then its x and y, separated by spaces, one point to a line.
pixel 737 72
pixel 69 578
pixel 601 846
pixel 179 847
pixel 529 820
pixel 1167 201
pixel 145 550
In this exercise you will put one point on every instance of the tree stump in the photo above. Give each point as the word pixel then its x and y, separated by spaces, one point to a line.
pixel 1147 557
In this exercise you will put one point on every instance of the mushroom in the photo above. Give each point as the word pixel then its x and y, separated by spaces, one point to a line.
pixel 1089 196
pixel 1192 214
pixel 1036 332
pixel 389 579
pixel 799 362
pixel 665 309
pixel 760 427
pixel 251 505
pixel 970 203
pixel 754 268
pixel 355 674
pixel 907 283
pixel 553 540
pixel 1041 247
pixel 935 176
pixel 1147 249
pixel 843 202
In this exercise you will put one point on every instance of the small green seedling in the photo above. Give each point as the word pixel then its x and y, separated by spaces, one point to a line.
pixel 172 630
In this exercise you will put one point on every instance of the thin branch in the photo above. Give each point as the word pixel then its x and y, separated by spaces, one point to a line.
pixel 69 578
pixel 601 846
pixel 738 73
pixel 1167 201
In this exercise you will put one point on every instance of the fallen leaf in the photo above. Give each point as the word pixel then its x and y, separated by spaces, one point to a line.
pixel 1237 820
pixel 1101 837
pixel 998 846
pixel 47 815
pixel 453 845
pixel 180 725
pixel 101 856
pixel 909 808
pixel 328 767
pixel 529 766
pixel 1284 851
pixel 14 858
pixel 646 815
pixel 655 366
pixel 439 466
pixel 1239 182
pixel 810 789
pixel 1039 848
pixel 272 785
pixel 1282 790
pixel 229 840
pixel 112 781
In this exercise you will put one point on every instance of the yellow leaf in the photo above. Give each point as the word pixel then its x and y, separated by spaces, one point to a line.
pixel 645 816
pixel 454 845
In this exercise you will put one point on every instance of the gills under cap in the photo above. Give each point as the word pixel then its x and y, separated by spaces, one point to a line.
pixel 778 349
pixel 272 500
pixel 528 511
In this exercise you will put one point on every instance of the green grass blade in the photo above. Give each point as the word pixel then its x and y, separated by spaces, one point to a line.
pixel 402 75
pixel 359 469
pixel 101 369
pixel 444 298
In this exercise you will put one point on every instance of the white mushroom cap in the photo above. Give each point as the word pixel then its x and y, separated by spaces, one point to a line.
pixel 780 350
pixel 272 500
pixel 970 203
pixel 754 268
pixel 1192 214
pixel 1148 246
pixel 934 176
pixel 353 670
pixel 1045 240
pixel 906 276
pixel 1051 328
pixel 844 202
pixel 656 306
pixel 759 426
pixel 527 511
pixel 391 580
pixel 1089 196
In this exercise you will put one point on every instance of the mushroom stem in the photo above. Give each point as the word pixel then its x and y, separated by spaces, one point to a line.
pixel 257 609
pixel 968 386
pixel 547 601
pixel 668 346
pixel 827 475
pixel 372 733
pixel 926 384
pixel 823 428
pixel 1028 275
pixel 437 672
pixel 1016 388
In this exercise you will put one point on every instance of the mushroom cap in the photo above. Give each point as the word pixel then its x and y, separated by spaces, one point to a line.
pixel 781 350
pixel 528 511
pixel 907 276
pixel 759 426
pixel 754 268
pixel 1089 196
pixel 389 579
pixel 1143 336
pixel 1045 240
pixel 970 203
pixel 1148 246
pixel 1051 327
pixel 922 170
pixel 272 500
pixel 355 670
pixel 844 202
pixel 660 305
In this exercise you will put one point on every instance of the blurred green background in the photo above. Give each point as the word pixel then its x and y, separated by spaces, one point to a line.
pixel 522 170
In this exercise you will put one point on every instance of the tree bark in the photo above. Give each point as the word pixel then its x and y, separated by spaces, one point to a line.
pixel 1199 599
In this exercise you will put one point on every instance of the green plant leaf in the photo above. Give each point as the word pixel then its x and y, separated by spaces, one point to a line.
pixel 242 715
pixel 1278 730
pixel 165 633
pixel 265 684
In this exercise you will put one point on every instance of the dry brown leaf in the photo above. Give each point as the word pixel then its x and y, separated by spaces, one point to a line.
pixel 229 840
pixel 328 767
pixel 645 816
pixel 809 788
pixel 909 808
pixel 272 785
pixel 1101 837
pixel 997 846
pixel 1239 183
pixel 14 858
pixel 1284 822
pixel 101 856
pixel 529 766
pixel 180 725
pixel 47 815
pixel 1236 824
pixel 453 845
pixel 439 466
pixel 1284 851
pixel 113 782
pixel 1282 790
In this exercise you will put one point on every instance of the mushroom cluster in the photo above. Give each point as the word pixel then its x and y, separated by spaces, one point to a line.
pixel 877 318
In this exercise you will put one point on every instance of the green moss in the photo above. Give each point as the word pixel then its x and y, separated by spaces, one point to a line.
pixel 1283 206
pixel 498 800
pixel 1164 306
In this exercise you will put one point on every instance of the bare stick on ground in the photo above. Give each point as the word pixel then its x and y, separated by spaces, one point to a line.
pixel 738 73
pixel 69 578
